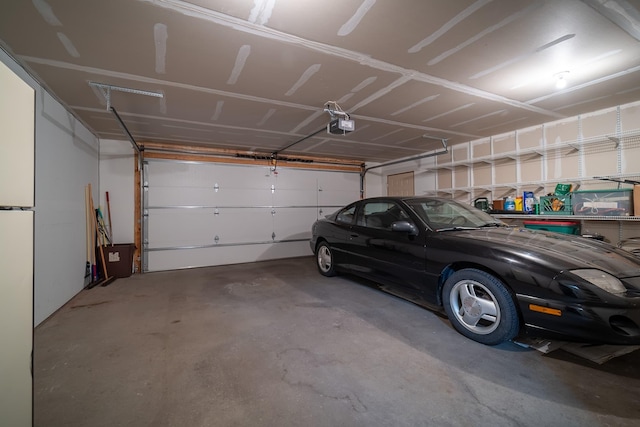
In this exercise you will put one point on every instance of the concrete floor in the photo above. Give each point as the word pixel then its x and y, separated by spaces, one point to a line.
pixel 276 344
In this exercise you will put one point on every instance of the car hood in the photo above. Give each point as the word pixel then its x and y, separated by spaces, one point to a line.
pixel 556 250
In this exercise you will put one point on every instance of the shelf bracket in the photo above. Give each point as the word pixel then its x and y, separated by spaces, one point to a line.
pixel 615 140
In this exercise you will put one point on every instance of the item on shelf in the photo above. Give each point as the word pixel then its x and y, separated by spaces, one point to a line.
pixel 498 205
pixel 529 202
pixel 562 189
pixel 519 204
pixel 616 202
pixel 509 204
pixel 556 205
pixel 482 203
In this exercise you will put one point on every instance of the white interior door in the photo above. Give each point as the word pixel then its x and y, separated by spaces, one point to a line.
pixel 401 184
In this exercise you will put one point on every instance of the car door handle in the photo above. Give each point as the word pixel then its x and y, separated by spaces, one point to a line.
pixel 354 235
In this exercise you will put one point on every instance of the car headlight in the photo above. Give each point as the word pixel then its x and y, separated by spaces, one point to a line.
pixel 604 281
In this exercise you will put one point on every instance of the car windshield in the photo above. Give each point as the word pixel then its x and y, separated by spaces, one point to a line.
pixel 445 215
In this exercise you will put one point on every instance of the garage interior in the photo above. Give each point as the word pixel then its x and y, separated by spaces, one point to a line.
pixel 212 134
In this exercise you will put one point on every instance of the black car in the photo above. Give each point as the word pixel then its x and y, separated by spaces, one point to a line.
pixel 494 282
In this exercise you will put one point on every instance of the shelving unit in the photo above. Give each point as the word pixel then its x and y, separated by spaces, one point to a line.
pixel 579 151
pixel 603 143
pixel 568 217
pixel 617 227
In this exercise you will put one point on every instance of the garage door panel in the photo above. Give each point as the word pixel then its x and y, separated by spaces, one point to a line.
pixel 197 196
pixel 338 181
pixel 244 225
pixel 296 178
pixel 295 197
pixel 198 227
pixel 338 190
pixel 167 173
pixel 180 196
pixel 181 227
pixel 294 223
pixel 244 197
pixel 179 174
pixel 337 198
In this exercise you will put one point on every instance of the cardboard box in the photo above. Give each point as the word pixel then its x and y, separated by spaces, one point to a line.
pixel 636 200
pixel 615 202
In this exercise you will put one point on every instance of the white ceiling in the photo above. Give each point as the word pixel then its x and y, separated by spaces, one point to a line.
pixel 255 74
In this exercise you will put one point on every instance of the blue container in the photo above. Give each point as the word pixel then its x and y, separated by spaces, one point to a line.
pixel 509 204
pixel 529 202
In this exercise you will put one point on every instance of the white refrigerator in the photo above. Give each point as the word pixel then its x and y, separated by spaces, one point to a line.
pixel 17 123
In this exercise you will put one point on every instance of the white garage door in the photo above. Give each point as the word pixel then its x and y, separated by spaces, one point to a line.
pixel 203 214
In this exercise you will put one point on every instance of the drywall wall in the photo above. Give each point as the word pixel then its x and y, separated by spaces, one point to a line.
pixel 66 160
pixel 117 169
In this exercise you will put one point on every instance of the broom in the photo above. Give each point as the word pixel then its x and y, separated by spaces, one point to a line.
pixel 106 280
pixel 89 229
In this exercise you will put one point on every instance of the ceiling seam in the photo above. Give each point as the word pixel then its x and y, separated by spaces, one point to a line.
pixel 189 9
pixel 209 124
pixel 151 80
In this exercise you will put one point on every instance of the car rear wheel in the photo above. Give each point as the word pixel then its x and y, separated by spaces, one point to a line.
pixel 480 307
pixel 324 259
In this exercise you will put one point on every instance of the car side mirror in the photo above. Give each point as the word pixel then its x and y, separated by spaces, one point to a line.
pixel 404 226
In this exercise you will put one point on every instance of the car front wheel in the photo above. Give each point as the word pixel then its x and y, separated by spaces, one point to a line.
pixel 480 307
pixel 324 260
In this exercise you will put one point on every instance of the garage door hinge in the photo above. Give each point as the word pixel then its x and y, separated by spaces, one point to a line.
pixel 216 187
pixel 216 239
pixel 273 236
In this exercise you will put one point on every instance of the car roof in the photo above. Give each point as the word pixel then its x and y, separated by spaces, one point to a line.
pixel 403 198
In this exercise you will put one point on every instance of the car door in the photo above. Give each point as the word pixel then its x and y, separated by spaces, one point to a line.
pixel 395 258
pixel 339 235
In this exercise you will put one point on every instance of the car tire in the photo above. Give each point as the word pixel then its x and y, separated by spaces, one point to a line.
pixel 324 260
pixel 480 307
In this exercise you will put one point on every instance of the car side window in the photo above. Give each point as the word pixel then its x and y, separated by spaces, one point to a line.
pixel 381 215
pixel 347 215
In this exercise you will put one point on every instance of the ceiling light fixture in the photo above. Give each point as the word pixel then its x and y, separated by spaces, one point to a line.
pixel 561 79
